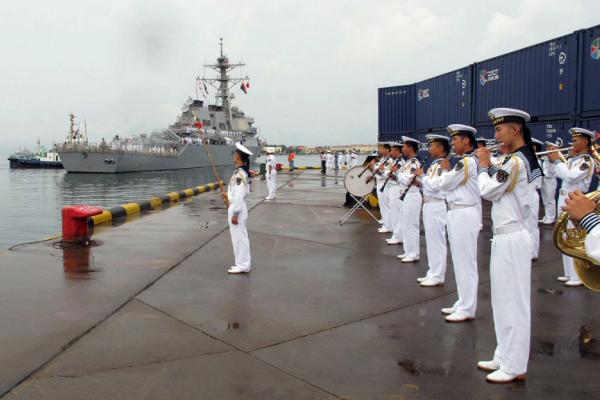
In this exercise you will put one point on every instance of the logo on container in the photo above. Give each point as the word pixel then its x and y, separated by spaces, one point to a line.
pixel 595 53
pixel 488 76
pixel 422 94
pixel 562 58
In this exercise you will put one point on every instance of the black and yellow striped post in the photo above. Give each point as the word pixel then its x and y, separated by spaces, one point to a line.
pixel 128 209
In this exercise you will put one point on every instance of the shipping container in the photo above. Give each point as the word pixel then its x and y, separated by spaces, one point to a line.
pixel 545 131
pixel 396 110
pixel 593 124
pixel 541 79
pixel 589 87
pixel 444 100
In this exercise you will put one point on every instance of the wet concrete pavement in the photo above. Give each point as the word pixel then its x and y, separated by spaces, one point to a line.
pixel 327 312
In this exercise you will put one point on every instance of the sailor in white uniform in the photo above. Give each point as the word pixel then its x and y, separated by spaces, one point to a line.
pixel 329 159
pixel 354 158
pixel 508 186
pixel 576 174
pixel 582 209
pixel 548 188
pixel 392 192
pixel 271 175
pixel 412 201
pixel 463 198
pixel 532 223
pixel 237 211
pixel 379 170
pixel 434 212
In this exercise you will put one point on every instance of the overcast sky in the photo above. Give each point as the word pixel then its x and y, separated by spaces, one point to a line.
pixel 126 66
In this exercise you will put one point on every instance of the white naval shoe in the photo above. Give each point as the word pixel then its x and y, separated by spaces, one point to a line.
pixel 431 283
pixel 401 256
pixel 238 270
pixel 500 376
pixel 384 230
pixel 380 221
pixel 448 310
pixel 422 279
pixel 267 198
pixel 457 317
pixel 573 283
pixel 393 241
pixel 409 259
pixel 563 279
pixel 489 366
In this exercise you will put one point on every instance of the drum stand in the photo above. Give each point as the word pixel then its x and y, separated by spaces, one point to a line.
pixel 358 204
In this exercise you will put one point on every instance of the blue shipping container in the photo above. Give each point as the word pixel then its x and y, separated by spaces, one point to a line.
pixel 545 131
pixel 593 124
pixel 396 110
pixel 444 100
pixel 541 79
pixel 590 72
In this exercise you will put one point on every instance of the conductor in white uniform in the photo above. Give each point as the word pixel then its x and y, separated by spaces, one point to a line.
pixel 237 211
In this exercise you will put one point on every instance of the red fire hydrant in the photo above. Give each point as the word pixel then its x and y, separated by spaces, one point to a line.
pixel 77 224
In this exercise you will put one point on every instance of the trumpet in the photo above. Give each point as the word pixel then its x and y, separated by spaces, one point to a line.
pixel 543 153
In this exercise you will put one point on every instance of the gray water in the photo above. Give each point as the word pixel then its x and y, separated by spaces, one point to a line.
pixel 31 200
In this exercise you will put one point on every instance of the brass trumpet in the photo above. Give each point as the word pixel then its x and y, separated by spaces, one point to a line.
pixel 570 238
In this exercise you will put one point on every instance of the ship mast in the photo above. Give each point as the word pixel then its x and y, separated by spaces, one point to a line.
pixel 223 82
pixel 74 135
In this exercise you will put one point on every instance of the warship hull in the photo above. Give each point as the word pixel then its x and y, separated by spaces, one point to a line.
pixel 110 162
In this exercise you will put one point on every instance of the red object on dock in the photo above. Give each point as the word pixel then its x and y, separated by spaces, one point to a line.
pixel 278 167
pixel 77 226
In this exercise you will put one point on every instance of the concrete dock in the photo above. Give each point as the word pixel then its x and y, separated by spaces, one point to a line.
pixel 328 312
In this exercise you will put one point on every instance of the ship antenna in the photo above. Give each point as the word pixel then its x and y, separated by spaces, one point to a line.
pixel 221 184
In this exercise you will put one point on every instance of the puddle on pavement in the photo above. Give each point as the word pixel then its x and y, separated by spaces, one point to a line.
pixel 417 368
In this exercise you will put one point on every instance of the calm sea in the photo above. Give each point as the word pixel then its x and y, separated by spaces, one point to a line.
pixel 31 200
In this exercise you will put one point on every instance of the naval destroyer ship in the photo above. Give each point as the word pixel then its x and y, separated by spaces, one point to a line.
pixel 202 135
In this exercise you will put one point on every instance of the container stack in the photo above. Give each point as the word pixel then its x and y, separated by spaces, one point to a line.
pixel 557 82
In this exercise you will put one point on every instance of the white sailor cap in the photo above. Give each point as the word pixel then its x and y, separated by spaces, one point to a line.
pixel 395 144
pixel 243 149
pixel 481 139
pixel 406 139
pixel 329 151
pixel 549 143
pixel 503 115
pixel 437 138
pixel 460 129
pixel 269 150
pixel 576 132
pixel 536 141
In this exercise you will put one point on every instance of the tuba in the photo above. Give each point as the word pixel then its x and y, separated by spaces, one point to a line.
pixel 569 239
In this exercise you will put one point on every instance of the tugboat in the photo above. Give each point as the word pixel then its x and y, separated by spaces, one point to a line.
pixel 202 135
pixel 41 159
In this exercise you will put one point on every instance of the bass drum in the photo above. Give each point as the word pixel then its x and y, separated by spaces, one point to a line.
pixel 359 185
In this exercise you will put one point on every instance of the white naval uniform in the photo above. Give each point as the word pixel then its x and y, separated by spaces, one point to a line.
pixel 591 223
pixel 532 223
pixel 411 209
pixel 354 159
pixel 271 177
pixel 329 158
pixel 506 185
pixel 462 196
pixel 237 191
pixel 393 190
pixel 435 215
pixel 576 174
pixel 548 192
pixel 384 206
